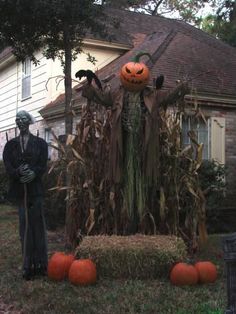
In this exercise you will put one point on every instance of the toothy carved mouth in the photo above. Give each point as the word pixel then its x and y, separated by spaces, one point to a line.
pixel 132 81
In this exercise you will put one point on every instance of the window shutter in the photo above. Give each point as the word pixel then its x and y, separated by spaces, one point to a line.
pixel 218 139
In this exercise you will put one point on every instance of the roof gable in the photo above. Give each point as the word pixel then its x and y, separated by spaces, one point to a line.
pixel 179 50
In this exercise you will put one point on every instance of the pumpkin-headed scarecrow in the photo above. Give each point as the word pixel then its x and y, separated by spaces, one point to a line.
pixel 134 143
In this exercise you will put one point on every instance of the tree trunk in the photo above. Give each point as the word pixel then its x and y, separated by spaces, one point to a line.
pixel 68 82
pixel 68 130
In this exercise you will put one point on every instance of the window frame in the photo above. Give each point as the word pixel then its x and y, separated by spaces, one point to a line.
pixel 48 140
pixel 208 127
pixel 26 78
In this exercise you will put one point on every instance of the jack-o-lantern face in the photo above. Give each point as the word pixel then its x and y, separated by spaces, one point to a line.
pixel 134 75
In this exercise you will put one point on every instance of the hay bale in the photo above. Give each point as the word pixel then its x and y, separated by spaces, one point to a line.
pixel 136 256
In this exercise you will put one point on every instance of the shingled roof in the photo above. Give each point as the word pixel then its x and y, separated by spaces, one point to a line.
pixel 179 50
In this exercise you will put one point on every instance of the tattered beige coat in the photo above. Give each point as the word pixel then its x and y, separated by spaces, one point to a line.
pixel 153 100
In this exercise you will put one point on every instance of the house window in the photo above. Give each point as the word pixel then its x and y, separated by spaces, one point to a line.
pixel 26 79
pixel 211 134
pixel 48 139
pixel 201 130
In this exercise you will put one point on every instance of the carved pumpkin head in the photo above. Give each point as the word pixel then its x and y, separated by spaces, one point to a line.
pixel 134 75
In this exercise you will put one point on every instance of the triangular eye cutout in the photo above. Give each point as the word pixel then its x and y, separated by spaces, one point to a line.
pixel 140 71
pixel 127 70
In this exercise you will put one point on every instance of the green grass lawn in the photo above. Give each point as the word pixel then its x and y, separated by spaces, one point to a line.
pixel 107 296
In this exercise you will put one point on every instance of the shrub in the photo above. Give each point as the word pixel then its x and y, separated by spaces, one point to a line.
pixel 212 181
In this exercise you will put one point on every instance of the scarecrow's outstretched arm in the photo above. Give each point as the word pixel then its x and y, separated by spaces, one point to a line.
pixel 92 93
pixel 96 95
pixel 170 97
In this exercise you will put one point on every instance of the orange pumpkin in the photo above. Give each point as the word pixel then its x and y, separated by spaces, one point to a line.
pixel 83 272
pixel 207 272
pixel 183 274
pixel 59 265
pixel 134 75
pixel 68 262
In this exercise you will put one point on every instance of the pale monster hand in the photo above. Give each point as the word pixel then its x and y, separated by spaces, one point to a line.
pixel 27 175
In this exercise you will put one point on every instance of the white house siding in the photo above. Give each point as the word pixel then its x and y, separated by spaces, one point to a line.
pixel 38 91
pixel 46 85
pixel 8 95
pixel 10 92
pixel 55 83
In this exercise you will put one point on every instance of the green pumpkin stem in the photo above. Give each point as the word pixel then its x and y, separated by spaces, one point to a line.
pixel 139 55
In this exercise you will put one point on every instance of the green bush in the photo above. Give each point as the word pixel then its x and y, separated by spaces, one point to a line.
pixel 212 181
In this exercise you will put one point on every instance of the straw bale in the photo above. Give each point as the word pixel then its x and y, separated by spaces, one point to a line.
pixel 136 256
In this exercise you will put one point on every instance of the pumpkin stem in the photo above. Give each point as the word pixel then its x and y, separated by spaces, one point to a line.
pixel 139 55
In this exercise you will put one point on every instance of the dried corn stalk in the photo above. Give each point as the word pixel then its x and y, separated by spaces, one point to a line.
pixel 96 207
pixel 182 202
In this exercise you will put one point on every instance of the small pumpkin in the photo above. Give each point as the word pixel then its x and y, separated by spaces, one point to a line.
pixel 59 265
pixel 183 274
pixel 134 75
pixel 207 271
pixel 83 272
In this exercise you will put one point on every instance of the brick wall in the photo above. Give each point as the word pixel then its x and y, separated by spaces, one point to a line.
pixel 230 152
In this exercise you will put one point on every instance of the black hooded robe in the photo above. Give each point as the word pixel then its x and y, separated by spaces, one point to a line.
pixel 33 236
